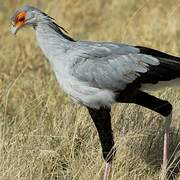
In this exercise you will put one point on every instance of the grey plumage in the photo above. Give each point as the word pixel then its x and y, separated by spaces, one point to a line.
pixel 110 66
pixel 88 71
pixel 98 74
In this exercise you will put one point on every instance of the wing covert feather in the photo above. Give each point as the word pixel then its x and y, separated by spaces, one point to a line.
pixel 112 69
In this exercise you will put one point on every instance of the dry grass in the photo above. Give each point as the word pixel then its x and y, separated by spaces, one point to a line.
pixel 45 136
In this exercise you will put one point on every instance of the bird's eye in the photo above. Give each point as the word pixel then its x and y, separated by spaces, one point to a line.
pixel 21 19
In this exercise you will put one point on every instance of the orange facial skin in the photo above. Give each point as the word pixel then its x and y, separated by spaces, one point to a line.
pixel 20 19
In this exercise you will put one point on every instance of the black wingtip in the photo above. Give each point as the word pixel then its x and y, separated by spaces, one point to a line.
pixel 156 53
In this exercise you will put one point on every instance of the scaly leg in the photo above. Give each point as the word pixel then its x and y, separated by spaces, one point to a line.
pixel 166 146
pixel 102 120
pixel 165 109
pixel 107 172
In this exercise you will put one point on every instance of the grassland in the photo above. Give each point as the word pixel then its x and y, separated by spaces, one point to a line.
pixel 45 136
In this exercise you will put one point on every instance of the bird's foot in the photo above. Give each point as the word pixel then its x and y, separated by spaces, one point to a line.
pixel 107 172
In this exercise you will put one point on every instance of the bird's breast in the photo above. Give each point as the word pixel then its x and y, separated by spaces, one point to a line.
pixel 83 93
pixel 61 60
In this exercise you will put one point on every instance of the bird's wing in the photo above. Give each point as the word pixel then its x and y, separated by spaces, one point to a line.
pixel 110 66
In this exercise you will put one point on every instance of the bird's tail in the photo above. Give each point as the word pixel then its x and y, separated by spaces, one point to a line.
pixel 167 73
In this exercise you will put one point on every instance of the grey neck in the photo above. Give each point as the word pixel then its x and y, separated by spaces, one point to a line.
pixel 52 40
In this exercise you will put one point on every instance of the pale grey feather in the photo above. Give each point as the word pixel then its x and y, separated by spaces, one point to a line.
pixel 110 66
pixel 87 71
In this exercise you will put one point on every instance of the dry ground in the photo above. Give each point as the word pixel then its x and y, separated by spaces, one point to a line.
pixel 43 135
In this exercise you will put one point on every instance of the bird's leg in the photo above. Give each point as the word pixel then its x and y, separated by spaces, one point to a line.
pixel 165 109
pixel 168 120
pixel 102 121
pixel 107 172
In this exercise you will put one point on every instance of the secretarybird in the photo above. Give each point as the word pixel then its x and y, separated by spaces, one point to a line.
pixel 98 74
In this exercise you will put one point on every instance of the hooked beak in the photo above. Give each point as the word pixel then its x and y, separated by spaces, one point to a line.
pixel 14 29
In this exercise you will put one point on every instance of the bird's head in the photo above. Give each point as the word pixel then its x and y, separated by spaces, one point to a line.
pixel 31 16
pixel 26 16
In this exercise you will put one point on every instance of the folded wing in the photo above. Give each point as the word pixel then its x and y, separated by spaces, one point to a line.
pixel 111 66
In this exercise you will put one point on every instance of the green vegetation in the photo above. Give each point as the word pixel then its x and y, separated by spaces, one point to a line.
pixel 43 135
